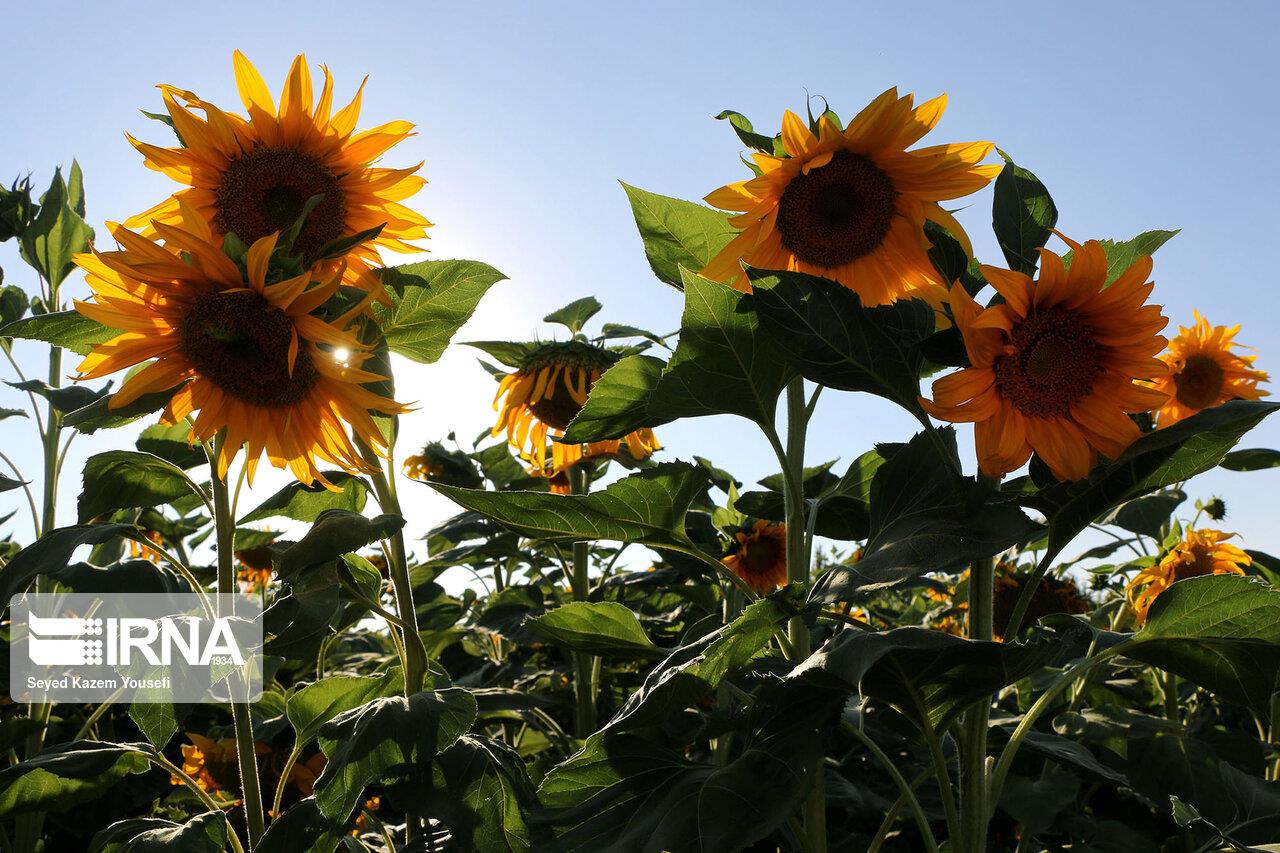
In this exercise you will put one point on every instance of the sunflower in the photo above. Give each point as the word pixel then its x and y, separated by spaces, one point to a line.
pixel 211 764
pixel 252 177
pixel 850 205
pixel 1204 371
pixel 759 556
pixel 138 551
pixel 1053 366
pixel 248 356
pixel 544 395
pixel 1052 595
pixel 439 464
pixel 1201 552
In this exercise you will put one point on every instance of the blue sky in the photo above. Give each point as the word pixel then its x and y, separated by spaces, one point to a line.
pixel 1136 116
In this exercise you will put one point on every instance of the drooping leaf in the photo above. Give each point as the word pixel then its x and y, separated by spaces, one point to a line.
pixel 742 126
pixel 482 792
pixel 171 443
pixel 723 363
pixel 66 399
pixel 619 401
pixel 52 552
pixel 1022 214
pixel 334 533
pixel 99 414
pixel 311 707
pixel 831 338
pixel 1251 459
pixel 1147 514
pixel 677 233
pixel 306 503
pixel 123 479
pixel 303 827
pixel 430 301
pixel 68 774
pixel 204 833
pixel 647 507
pixel 386 737
pixel 596 627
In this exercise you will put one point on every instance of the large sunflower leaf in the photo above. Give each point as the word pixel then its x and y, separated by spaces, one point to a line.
pixel 927 675
pixel 1022 215
pixel 305 503
pixel 126 479
pixel 334 533
pixel 67 329
pixel 315 704
pixel 723 364
pixel 172 444
pixel 50 554
pixel 604 628
pixel 828 335
pixel 303 827
pixel 481 790
pixel 619 401
pixel 648 508
pixel 204 833
pixel 58 232
pixel 389 736
pixel 68 774
pixel 677 233
pixel 430 301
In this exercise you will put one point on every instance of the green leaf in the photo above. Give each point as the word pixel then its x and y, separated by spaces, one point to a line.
pixel 1121 255
pixel 677 233
pixel 1036 803
pixel 52 552
pixel 951 260
pixel 576 314
pixel 99 414
pixel 13 303
pixel 123 479
pixel 723 363
pixel 204 833
pixel 510 353
pixel 303 827
pixel 431 300
pixel 68 774
pixel 66 399
pixel 481 791
pixel 388 737
pixel 924 517
pixel 1251 459
pixel 1148 514
pixel 58 230
pixel 742 127
pixel 647 507
pixel 1022 215
pixel 156 720
pixel 334 533
pixel 619 401
pixel 1158 459
pixel 927 675
pixel 603 628
pixel 67 329
pixel 311 707
pixel 1219 631
pixel 306 503
pixel 831 338
pixel 172 444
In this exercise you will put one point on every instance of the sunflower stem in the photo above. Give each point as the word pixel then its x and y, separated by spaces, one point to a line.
pixel 973 795
pixel 584 686
pixel 225 529
pixel 415 653
pixel 798 413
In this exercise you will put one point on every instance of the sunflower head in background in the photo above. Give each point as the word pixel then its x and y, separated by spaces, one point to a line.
pixel 758 555
pixel 255 176
pixel 544 394
pixel 1052 595
pixel 439 464
pixel 1053 367
pixel 1201 552
pixel 236 347
pixel 850 204
pixel 1205 371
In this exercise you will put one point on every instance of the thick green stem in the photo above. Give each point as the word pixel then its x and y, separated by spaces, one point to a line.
pixel 584 687
pixel 225 529
pixel 973 801
pixel 415 653
pixel 815 807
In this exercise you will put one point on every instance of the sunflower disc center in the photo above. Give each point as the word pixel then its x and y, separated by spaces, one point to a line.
pixel 1054 363
pixel 240 343
pixel 760 555
pixel 1199 382
pixel 837 213
pixel 265 190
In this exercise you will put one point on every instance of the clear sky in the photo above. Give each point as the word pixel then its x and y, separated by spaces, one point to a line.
pixel 1136 115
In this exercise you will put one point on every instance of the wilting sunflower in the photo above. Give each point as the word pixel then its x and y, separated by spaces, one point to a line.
pixel 1204 371
pixel 544 395
pixel 252 177
pixel 439 464
pixel 759 556
pixel 1052 595
pixel 247 356
pixel 1053 367
pixel 1201 552
pixel 850 205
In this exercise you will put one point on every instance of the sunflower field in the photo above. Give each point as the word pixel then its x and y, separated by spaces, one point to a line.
pixel 1053 644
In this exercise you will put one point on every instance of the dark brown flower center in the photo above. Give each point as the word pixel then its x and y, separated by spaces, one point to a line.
pixel 265 190
pixel 557 408
pixel 836 213
pixel 240 343
pixel 1200 563
pixel 1199 382
pixel 1053 366
pixel 760 555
